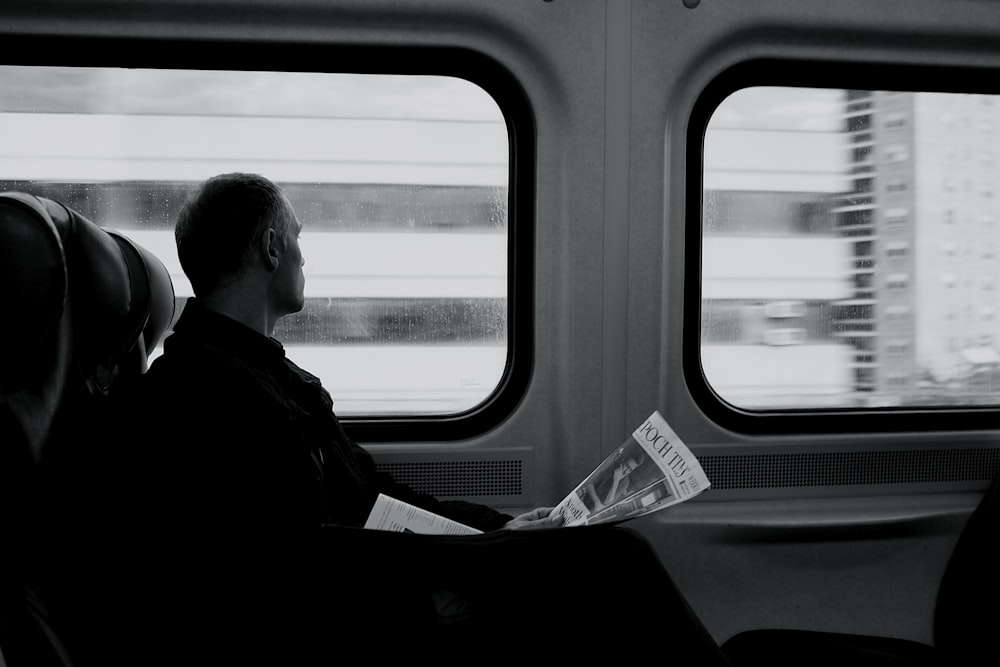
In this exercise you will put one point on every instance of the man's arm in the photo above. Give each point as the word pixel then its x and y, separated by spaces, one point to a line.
pixel 540 517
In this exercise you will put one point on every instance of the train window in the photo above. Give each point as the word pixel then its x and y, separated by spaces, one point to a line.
pixel 833 199
pixel 400 180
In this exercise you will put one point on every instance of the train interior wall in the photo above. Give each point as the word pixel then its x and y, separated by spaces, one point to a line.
pixel 612 85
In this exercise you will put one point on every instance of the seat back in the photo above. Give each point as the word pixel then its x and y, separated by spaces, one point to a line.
pixel 567 592
pixel 82 307
pixel 34 364
pixel 965 618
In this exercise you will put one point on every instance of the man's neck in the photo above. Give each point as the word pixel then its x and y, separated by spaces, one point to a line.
pixel 249 312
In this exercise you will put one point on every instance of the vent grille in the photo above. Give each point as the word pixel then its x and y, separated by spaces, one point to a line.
pixel 459 478
pixel 766 471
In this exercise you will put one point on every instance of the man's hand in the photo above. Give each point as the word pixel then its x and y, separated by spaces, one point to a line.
pixel 619 473
pixel 540 517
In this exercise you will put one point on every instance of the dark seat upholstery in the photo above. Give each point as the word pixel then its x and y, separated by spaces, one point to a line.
pixel 82 308
pixel 965 615
pixel 572 593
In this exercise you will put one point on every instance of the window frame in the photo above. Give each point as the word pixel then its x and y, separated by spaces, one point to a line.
pixel 803 73
pixel 461 62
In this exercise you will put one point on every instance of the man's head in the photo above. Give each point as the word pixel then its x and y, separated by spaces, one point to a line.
pixel 633 461
pixel 240 229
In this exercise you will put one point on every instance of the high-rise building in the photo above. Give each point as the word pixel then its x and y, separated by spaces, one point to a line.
pixel 921 214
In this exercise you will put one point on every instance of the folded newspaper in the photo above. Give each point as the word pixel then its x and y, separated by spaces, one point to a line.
pixel 391 514
pixel 650 471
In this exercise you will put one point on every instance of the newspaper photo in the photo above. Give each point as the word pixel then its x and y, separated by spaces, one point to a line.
pixel 650 471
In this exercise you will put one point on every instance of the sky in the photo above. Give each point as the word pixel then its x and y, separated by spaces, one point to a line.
pixel 288 94
pixel 772 108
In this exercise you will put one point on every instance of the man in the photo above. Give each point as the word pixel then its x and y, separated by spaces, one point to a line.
pixel 232 392
pixel 239 460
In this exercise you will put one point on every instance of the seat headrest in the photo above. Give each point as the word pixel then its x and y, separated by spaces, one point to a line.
pixel 33 286
pixel 153 290
pixel 117 295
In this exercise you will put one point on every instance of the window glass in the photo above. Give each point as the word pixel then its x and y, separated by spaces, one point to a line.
pixel 861 207
pixel 400 181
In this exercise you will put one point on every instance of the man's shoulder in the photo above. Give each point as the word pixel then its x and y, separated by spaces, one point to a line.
pixel 178 358
pixel 196 367
pixel 202 375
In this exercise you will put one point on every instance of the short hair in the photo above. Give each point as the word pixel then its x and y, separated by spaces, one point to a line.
pixel 220 224
pixel 638 457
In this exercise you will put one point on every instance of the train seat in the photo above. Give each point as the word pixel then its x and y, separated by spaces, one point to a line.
pixel 965 622
pixel 82 308
pixel 507 595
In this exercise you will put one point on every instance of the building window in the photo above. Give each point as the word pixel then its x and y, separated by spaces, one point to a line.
pixel 897 153
pixel 895 184
pixel 785 336
pixel 897 378
pixel 783 310
pixel 896 216
pixel 897 346
pixel 897 280
pixel 894 120
pixel 897 249
pixel 898 312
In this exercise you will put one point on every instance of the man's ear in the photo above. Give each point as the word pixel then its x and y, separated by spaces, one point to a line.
pixel 272 248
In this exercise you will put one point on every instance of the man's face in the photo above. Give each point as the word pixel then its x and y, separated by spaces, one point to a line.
pixel 289 281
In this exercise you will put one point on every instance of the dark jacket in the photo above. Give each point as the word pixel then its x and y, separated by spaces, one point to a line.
pixel 259 437
pixel 229 463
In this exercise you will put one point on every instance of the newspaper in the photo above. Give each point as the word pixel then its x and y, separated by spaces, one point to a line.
pixel 650 471
pixel 391 514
